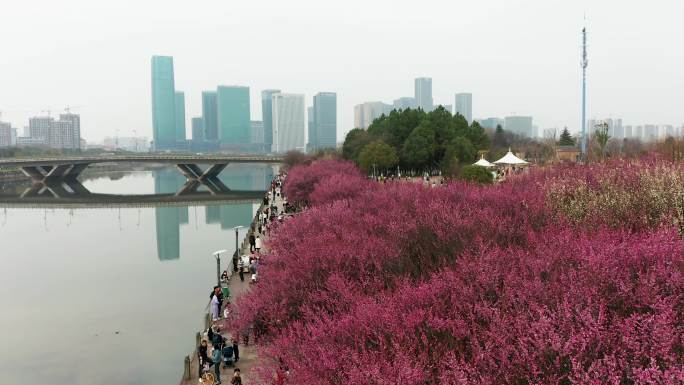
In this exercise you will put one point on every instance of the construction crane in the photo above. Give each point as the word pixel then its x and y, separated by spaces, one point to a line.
pixel 68 108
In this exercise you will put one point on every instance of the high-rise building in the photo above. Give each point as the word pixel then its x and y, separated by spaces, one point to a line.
pixel 464 106
pixel 404 103
pixel 210 115
pixel 6 135
pixel 163 103
pixel 39 128
pixel 288 123
pixel 325 121
pixel 233 116
pixel 520 125
pixel 651 132
pixel 366 113
pixel 75 119
pixel 197 129
pixel 311 124
pixel 491 123
pixel 267 116
pixel 180 115
pixel 628 132
pixel 639 133
pixel 423 93
pixel 257 132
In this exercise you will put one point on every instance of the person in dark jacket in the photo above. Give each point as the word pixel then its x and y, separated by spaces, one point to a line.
pixel 236 350
pixel 237 380
pixel 202 356
pixel 252 241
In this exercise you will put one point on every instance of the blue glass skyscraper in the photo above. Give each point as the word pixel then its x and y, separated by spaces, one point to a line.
pixel 163 103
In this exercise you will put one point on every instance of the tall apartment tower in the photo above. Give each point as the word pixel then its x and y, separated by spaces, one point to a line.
pixel 423 93
pixel 180 115
pixel 234 124
pixel 163 103
pixel 464 106
pixel 7 135
pixel 197 129
pixel 210 115
pixel 73 138
pixel 39 128
pixel 267 116
pixel 325 121
pixel 311 145
pixel 366 113
pixel 288 122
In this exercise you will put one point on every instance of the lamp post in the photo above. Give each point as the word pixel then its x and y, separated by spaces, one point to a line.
pixel 237 248
pixel 217 255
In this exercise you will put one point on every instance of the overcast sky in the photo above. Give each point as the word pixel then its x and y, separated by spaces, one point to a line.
pixel 515 56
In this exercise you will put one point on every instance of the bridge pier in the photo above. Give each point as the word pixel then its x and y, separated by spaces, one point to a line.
pixel 52 173
pixel 194 172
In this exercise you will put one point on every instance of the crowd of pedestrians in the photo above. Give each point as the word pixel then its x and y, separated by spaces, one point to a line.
pixel 215 351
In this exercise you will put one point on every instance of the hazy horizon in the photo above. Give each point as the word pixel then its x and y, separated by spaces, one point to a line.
pixel 515 57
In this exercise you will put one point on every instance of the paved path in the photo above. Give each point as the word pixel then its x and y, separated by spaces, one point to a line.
pixel 248 354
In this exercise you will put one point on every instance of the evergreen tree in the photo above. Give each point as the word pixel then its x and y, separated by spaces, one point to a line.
pixel 566 139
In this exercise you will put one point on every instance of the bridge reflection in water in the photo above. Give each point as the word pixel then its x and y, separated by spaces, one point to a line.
pixel 173 193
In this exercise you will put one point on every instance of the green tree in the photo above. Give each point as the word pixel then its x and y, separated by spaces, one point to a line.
pixel 566 139
pixel 378 153
pixel 418 150
pixel 602 137
pixel 477 136
pixel 354 142
pixel 477 174
pixel 460 124
pixel 459 151
pixel 500 137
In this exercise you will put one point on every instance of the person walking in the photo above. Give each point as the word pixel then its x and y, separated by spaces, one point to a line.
pixel 216 358
pixel 236 349
pixel 252 240
pixel 258 244
pixel 241 270
pixel 215 304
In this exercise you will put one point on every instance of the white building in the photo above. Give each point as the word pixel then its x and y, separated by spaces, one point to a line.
pixel 464 106
pixel 289 124
pixel 64 133
pixel 366 113
pixel 8 135
pixel 39 128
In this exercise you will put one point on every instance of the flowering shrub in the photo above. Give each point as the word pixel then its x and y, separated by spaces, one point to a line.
pixel 403 284
pixel 634 194
pixel 302 179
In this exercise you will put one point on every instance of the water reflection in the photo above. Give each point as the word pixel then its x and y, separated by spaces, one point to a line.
pixel 169 219
pixel 117 279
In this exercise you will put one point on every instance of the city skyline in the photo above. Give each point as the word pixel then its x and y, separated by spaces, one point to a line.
pixel 510 69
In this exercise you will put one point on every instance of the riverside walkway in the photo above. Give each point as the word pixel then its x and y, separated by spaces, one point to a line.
pixel 248 354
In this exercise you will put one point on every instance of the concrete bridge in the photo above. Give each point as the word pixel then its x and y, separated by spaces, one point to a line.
pixel 49 169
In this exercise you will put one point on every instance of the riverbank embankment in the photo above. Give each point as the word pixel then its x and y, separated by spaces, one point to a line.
pixel 236 287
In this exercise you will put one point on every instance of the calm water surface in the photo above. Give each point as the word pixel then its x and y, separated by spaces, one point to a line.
pixel 109 295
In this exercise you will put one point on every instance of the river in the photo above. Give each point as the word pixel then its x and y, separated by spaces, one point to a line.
pixel 112 295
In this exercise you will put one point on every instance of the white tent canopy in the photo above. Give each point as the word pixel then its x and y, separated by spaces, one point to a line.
pixel 510 159
pixel 483 162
